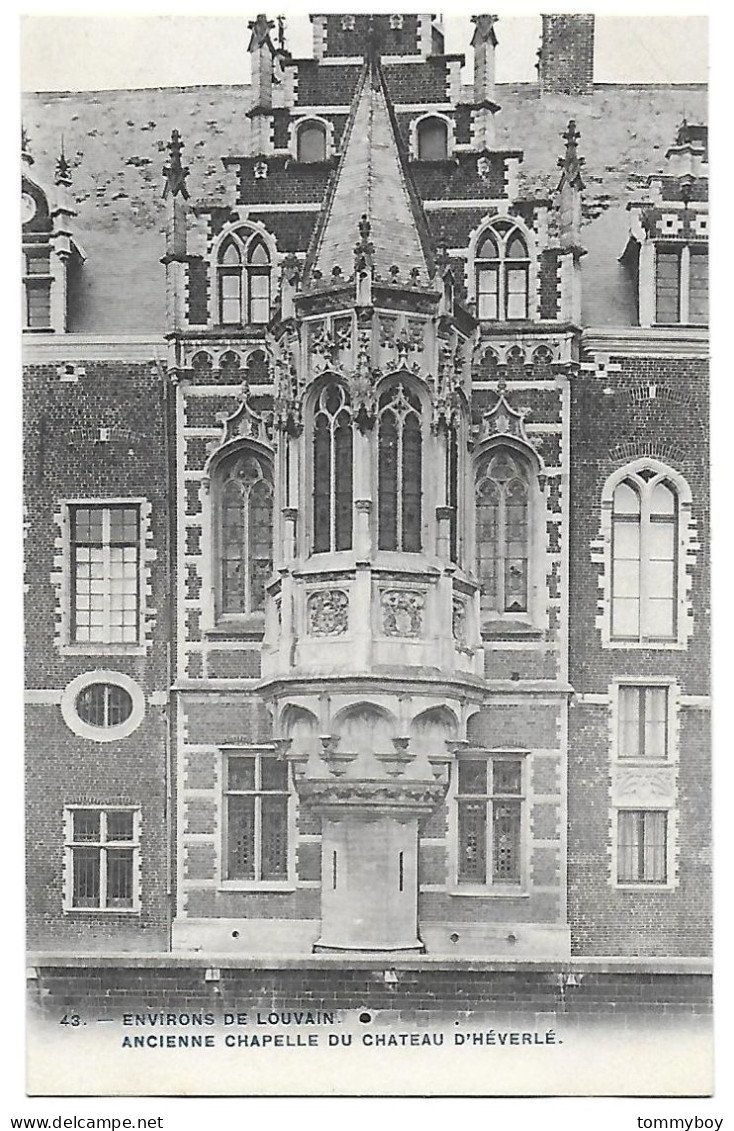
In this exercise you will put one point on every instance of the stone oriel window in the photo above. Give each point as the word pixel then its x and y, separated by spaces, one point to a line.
pixel 503 533
pixel 257 811
pixel 332 470
pixel 244 486
pixel 102 865
pixel 502 268
pixel 105 574
pixel 489 803
pixel 400 471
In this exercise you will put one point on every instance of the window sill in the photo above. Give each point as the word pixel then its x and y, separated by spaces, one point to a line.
pixel 101 911
pixel 643 886
pixel 250 628
pixel 510 629
pixel 280 888
pixel 100 648
pixel 489 892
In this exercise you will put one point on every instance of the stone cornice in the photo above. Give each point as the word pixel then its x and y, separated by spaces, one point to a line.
pixel 651 341
pixel 53 348
pixel 370 799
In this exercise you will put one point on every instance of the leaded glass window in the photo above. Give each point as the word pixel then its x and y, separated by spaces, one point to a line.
pixel 502 266
pixel 642 836
pixel 489 804
pixel 332 470
pixel 102 859
pixel 503 533
pixel 644 559
pixel 104 705
pixel 400 471
pixel 246 533
pixel 257 800
pixel 105 561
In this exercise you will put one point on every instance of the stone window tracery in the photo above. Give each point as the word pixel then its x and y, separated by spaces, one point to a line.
pixel 246 532
pixel 244 270
pixel 503 533
pixel 332 470
pixel 400 454
pixel 502 269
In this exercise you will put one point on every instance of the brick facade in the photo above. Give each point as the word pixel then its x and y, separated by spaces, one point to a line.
pixel 574 388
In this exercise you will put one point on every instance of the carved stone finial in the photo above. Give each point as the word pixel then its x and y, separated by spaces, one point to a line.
pixel 62 173
pixel 364 249
pixel 571 163
pixel 174 172
pixel 261 28
pixel 484 30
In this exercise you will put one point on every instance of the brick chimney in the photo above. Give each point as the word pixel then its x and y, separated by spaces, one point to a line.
pixel 566 57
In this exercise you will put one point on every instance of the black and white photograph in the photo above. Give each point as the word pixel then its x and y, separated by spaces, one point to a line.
pixel 366 554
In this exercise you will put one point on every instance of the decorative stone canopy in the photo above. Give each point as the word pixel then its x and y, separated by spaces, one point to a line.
pixel 338 798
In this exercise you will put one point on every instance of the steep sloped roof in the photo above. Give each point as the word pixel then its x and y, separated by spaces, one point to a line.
pixel 372 179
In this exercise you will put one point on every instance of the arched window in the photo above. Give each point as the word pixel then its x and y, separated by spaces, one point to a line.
pixel 452 494
pixel 644 558
pixel 332 470
pixel 311 142
pixel 502 266
pixel 433 139
pixel 244 282
pixel 246 532
pixel 400 445
pixel 503 534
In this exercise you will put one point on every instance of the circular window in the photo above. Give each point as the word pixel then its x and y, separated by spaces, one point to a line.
pixel 103 706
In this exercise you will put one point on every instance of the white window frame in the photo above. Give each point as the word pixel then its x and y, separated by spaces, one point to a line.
pixel 63 573
pixel 602 549
pixel 306 120
pixel 645 784
pixel 70 844
pixel 490 888
pixel 414 128
pixel 74 721
pixel 224 883
pixel 486 225
pixel 241 234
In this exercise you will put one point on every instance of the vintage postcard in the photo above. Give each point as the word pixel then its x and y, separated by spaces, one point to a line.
pixel 366 419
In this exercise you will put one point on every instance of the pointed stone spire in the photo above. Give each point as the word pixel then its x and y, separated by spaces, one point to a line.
pixel 373 169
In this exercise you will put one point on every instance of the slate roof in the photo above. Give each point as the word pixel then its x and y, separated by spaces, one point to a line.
pixel 115 142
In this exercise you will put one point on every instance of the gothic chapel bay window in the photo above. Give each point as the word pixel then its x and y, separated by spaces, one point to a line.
pixel 246 533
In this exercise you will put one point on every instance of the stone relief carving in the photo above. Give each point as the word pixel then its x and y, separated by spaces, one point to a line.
pixel 327 612
pixel 402 612
pixel 458 621
pixel 644 784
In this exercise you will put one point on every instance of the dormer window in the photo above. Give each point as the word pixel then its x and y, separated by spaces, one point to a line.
pixel 244 281
pixel 681 285
pixel 37 288
pixel 502 266
pixel 432 137
pixel 311 142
